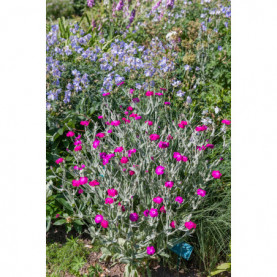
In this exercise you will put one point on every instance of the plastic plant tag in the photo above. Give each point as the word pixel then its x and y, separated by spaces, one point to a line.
pixel 182 249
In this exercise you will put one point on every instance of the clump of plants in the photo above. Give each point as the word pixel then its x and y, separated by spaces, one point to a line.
pixel 140 175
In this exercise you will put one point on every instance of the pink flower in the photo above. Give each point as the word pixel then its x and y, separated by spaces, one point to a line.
pixel 146 213
pixel 105 223
pixel 159 170
pixel 83 180
pixel 153 212
pixel 124 169
pixel 169 137
pixel 131 172
pixel 78 137
pixel 210 146
pixel 76 183
pixel 216 174
pixel 183 124
pixel 159 93
pixel 179 199
pixel 150 250
pixel 77 142
pixel 80 191
pixel 173 224
pixel 167 103
pixel 106 94
pixel 162 209
pixel 201 192
pixel 130 108
pixel 121 83
pixel 131 151
pixel 226 122
pixel 118 149
pixel 59 160
pixel 134 217
pixel 133 115
pixel 100 135
pixel 115 123
pixel 110 131
pixel 190 225
pixel 163 144
pixel 57 215
pixel 70 134
pixel 76 167
pixel 169 184
pixel 109 200
pixel 95 144
pixel 112 192
pixel 154 137
pixel 158 200
pixel 94 183
pixel 126 112
pixel 132 90
pixel 150 123
pixel 138 117
pixel 149 93
pixel 185 159
pixel 177 156
pixel 124 160
pixel 98 218
pixel 85 123
pixel 201 128
pixel 100 116
pixel 82 166
pixel 78 148
pixel 107 123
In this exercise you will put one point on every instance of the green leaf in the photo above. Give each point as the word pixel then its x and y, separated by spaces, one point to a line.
pixel 65 204
pixel 60 222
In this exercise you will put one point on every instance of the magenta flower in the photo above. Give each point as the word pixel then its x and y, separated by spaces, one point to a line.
pixel 109 200
pixel 210 146
pixel 183 124
pixel 131 151
pixel 163 144
pixel 153 212
pixel 107 123
pixel 150 123
pixel 94 183
pixel 162 209
pixel 112 192
pixel 100 135
pixel 57 215
pixel 167 103
pixel 76 183
pixel 70 134
pixel 179 199
pixel 177 156
pixel 189 225
pixel 173 224
pixel 59 160
pixel 216 174
pixel 138 117
pixel 98 218
pixel 105 223
pixel 158 200
pixel 159 93
pixel 159 170
pixel 164 89
pixel 77 142
pixel 75 167
pixel 100 116
pixel 154 137
pixel 169 137
pixel 110 131
pixel 132 90
pixel 84 123
pixel 83 180
pixel 201 128
pixel 106 94
pixel 150 250
pixel 124 160
pixel 126 113
pixel 149 93
pixel 121 83
pixel 80 191
pixel 78 148
pixel 131 172
pixel 133 115
pixel 130 108
pixel 146 213
pixel 95 144
pixel 169 184
pixel 118 149
pixel 226 122
pixel 115 123
pixel 201 192
pixel 134 217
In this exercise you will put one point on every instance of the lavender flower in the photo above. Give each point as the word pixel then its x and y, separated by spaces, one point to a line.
pixel 120 5
pixel 90 3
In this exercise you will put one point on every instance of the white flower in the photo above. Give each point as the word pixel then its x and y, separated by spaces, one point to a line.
pixel 216 110
pixel 170 35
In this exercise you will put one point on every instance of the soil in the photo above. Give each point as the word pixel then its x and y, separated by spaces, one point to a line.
pixel 58 234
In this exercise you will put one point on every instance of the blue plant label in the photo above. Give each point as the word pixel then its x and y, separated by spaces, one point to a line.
pixel 182 249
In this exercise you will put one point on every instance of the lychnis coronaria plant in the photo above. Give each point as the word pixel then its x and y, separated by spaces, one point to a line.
pixel 140 175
